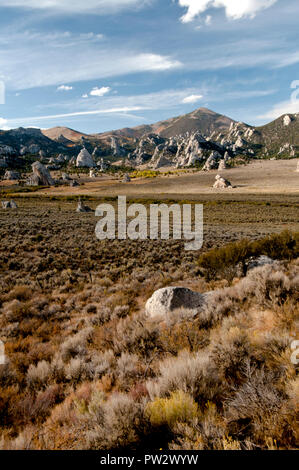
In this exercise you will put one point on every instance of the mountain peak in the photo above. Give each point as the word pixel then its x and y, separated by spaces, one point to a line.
pixel 57 132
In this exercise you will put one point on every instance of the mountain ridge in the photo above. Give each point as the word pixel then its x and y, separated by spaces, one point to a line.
pixel 198 137
pixel 201 120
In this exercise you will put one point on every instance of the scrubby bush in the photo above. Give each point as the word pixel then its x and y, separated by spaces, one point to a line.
pixel 20 293
pixel 207 432
pixel 113 424
pixel 86 369
pixel 178 408
pixel 37 376
pixel 193 374
pixel 127 366
pixel 76 345
pixel 225 261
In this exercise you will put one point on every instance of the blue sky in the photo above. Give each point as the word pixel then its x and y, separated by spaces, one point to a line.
pixel 105 64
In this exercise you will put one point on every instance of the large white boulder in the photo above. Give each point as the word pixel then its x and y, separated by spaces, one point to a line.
pixel 165 301
pixel 287 120
pixel 85 160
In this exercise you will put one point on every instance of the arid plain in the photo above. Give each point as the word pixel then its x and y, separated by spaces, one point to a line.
pixel 72 316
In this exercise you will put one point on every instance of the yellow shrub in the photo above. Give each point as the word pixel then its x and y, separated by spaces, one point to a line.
pixel 180 407
pixel 145 174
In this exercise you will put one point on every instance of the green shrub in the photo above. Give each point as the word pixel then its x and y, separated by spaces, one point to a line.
pixel 284 245
pixel 225 261
pixel 222 261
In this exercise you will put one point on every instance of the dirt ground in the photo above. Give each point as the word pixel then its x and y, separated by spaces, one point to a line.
pixel 258 177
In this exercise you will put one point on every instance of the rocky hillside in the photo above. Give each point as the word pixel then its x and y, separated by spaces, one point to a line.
pixel 279 138
pixel 282 135
pixel 201 120
pixel 202 138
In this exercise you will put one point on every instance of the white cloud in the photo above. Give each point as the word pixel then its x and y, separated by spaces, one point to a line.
pixel 100 7
pixel 234 9
pixel 91 36
pixel 64 88
pixel 284 107
pixel 155 62
pixel 23 70
pixel 170 99
pixel 164 99
pixel 85 95
pixel 28 120
pixel 3 123
pixel 112 104
pixel 100 91
pixel 192 99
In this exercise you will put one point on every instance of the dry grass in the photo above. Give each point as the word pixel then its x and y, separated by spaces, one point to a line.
pixel 87 370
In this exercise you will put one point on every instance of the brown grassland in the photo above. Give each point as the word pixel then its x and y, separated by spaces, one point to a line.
pixel 86 369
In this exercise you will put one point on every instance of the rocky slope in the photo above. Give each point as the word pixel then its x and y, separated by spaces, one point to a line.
pixel 201 120
pixel 202 138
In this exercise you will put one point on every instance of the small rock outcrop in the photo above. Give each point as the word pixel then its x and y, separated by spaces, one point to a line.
pixel 65 177
pixel 221 183
pixel 212 161
pixel 126 179
pixel 102 165
pixel 222 165
pixel 82 208
pixel 287 120
pixel 41 176
pixel 117 150
pixel 162 161
pixel 34 149
pixel 9 205
pixel 85 160
pixel 165 301
pixel 11 175
pixel 258 262
pixel 6 150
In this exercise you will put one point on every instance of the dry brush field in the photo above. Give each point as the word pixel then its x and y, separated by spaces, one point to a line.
pixel 86 369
